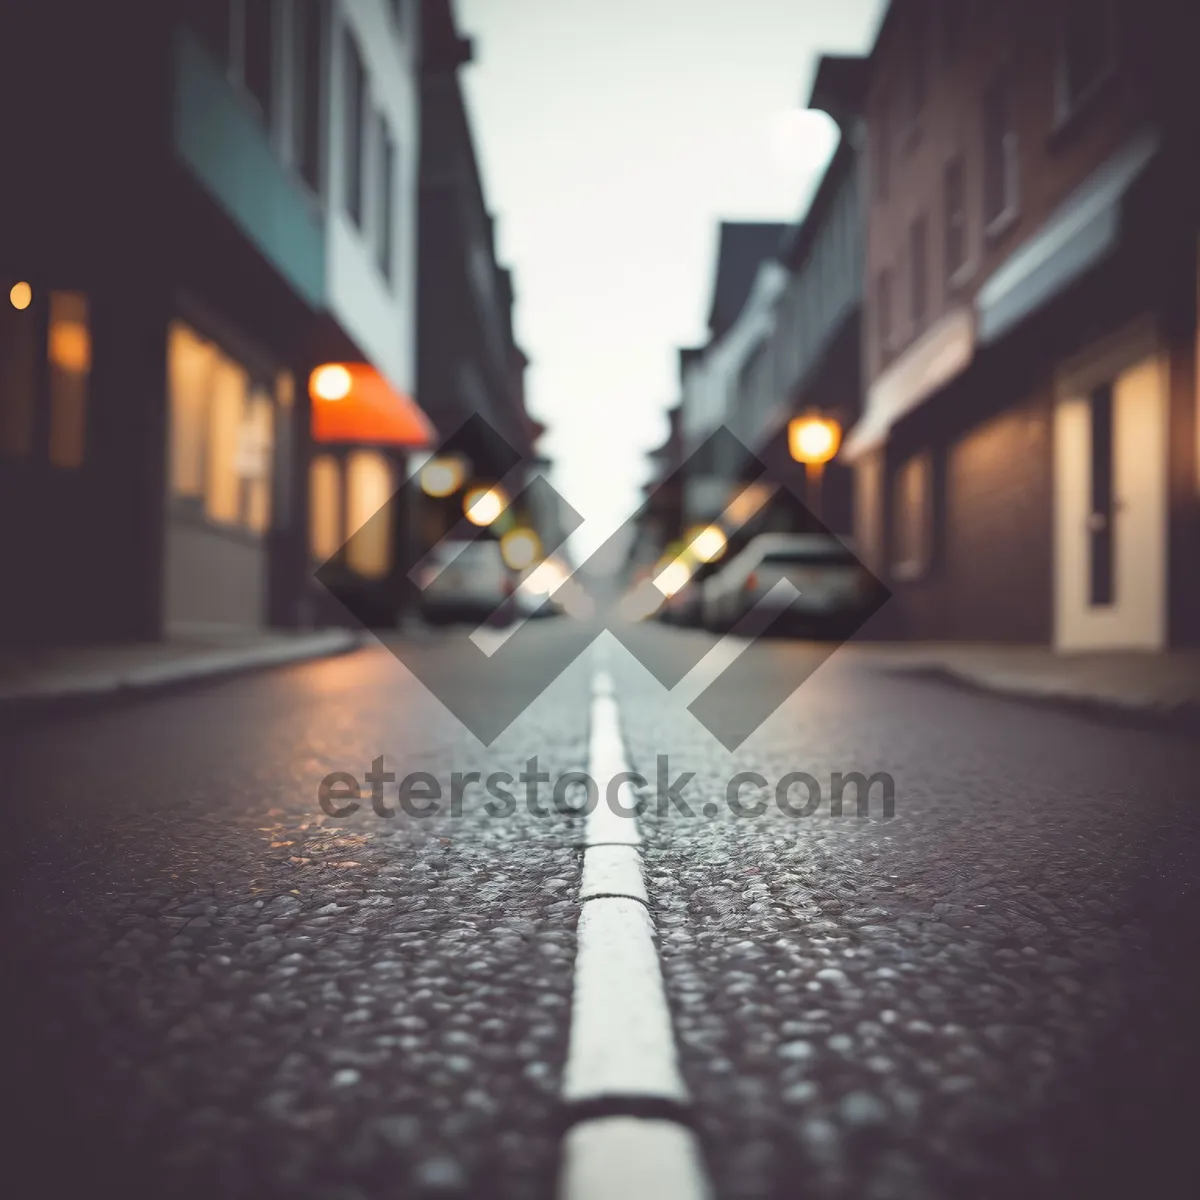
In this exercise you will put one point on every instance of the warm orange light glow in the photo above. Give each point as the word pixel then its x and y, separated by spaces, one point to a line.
pixel 813 439
pixel 521 548
pixel 69 346
pixel 354 405
pixel 330 382
pixel 482 505
pixel 673 578
pixel 441 477
pixel 708 544
pixel 20 295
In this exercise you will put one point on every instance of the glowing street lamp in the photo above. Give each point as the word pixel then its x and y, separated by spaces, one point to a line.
pixel 709 544
pixel 520 548
pixel 330 382
pixel 673 578
pixel 482 505
pixel 20 295
pixel 442 477
pixel 813 440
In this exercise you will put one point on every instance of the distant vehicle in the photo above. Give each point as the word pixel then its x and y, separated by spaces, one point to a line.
pixel 833 586
pixel 467 581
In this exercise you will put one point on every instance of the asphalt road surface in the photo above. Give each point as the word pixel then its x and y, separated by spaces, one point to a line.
pixel 214 988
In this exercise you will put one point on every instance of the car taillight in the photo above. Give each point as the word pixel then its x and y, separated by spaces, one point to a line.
pixel 751 582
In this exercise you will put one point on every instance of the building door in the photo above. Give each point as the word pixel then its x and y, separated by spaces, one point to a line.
pixel 1111 498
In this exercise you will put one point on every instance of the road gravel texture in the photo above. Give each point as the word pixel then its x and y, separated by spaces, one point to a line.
pixel 991 994
pixel 215 990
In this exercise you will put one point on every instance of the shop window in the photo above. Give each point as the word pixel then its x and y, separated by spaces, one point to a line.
pixel 222 434
pixel 227 400
pixel 912 518
pixel 368 514
pixel 324 507
pixel 18 369
pixel 255 445
pixel 69 353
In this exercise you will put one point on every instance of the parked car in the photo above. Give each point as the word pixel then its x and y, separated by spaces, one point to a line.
pixel 467 581
pixel 833 587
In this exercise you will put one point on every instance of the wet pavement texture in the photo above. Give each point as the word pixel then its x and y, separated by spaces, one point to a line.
pixel 214 989
pixel 991 993
pixel 217 990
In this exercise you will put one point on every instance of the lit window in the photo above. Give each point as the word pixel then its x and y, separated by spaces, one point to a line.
pixel 222 492
pixel 913 518
pixel 324 507
pixel 69 352
pixel 222 434
pixel 254 459
pixel 191 365
pixel 368 514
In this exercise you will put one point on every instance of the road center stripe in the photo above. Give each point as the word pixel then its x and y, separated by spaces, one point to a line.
pixel 622 1048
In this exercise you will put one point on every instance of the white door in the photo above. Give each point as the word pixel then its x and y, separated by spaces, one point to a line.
pixel 1110 471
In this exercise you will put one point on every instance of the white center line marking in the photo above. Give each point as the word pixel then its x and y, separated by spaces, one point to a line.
pixel 622 1048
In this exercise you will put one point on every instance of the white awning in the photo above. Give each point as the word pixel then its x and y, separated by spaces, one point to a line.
pixel 1083 230
pixel 943 352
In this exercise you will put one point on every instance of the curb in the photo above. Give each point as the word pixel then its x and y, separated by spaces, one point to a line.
pixel 100 688
pixel 1183 717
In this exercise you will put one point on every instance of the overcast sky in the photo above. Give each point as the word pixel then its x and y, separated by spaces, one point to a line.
pixel 613 136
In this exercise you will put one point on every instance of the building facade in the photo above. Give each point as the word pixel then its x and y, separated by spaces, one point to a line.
pixel 1026 464
pixel 219 198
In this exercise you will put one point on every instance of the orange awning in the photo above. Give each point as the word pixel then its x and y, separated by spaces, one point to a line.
pixel 353 404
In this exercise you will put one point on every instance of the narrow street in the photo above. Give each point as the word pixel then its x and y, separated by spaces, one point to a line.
pixel 215 988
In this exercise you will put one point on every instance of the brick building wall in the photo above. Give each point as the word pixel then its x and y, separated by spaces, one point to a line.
pixel 908 152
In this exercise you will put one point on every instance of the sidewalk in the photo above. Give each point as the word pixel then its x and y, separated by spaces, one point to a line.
pixel 46 676
pixel 1160 687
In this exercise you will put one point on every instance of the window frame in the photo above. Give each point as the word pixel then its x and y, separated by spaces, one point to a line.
pixel 354 130
pixel 996 223
pixel 1068 105
pixel 915 561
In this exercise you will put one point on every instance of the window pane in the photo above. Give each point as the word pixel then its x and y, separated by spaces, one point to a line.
pixel 191 361
pixel 355 97
pixel 956 216
pixel 387 169
pixel 324 507
pixel 368 513
pixel 210 20
pixel 998 152
pixel 18 370
pixel 255 453
pixel 309 78
pixel 918 266
pixel 69 351
pixel 259 52
pixel 223 493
